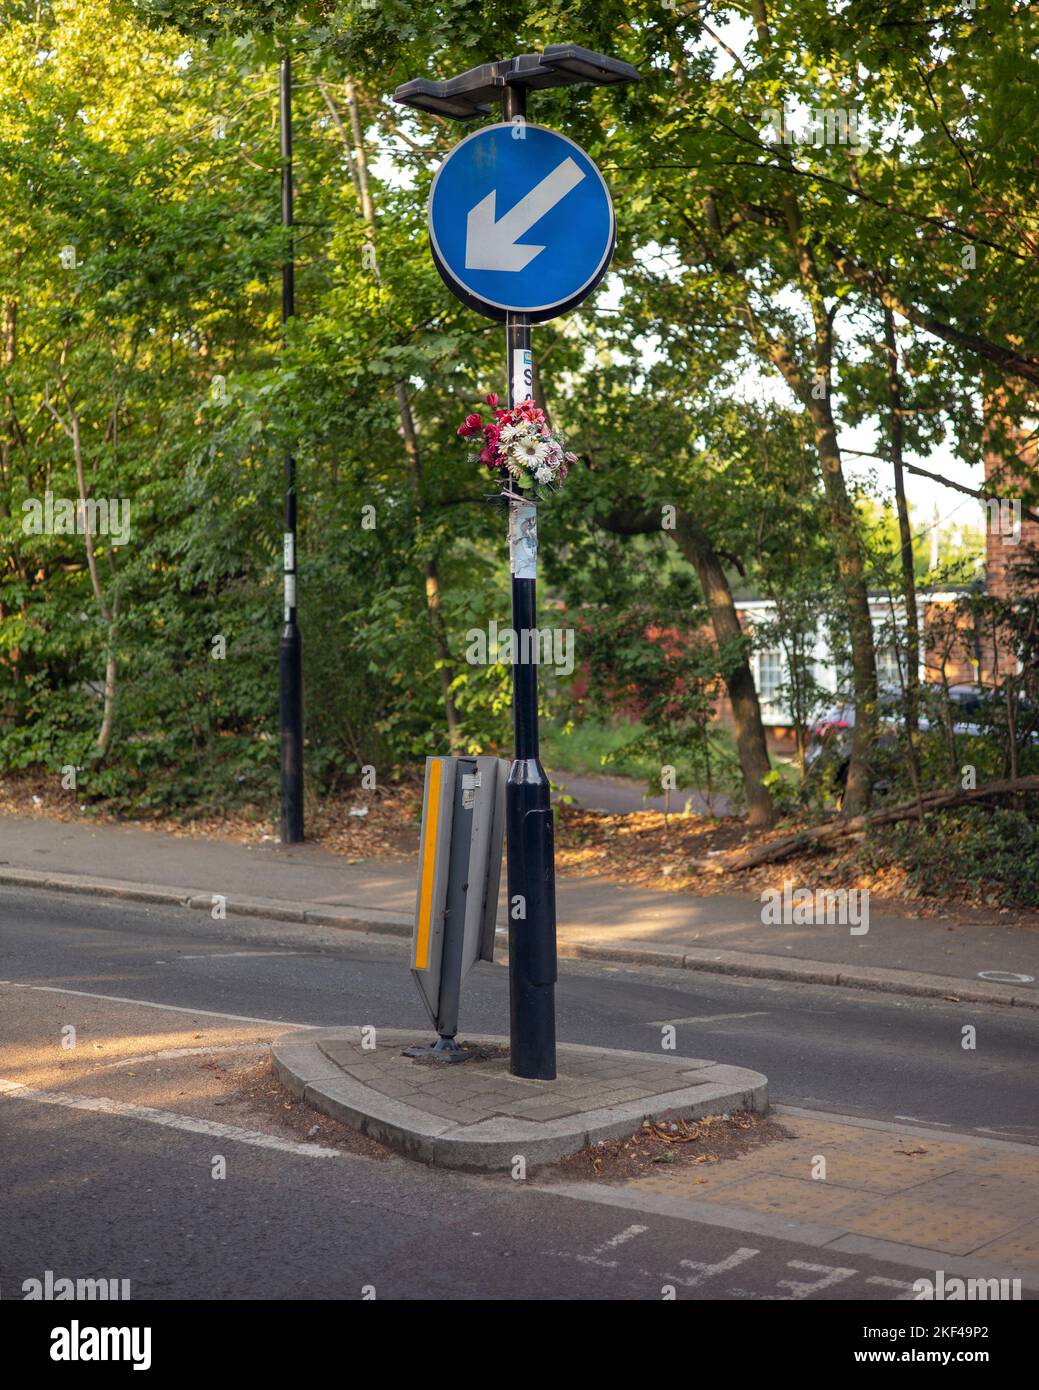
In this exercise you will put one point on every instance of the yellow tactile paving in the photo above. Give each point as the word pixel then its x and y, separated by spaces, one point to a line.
pixel 989 1192
pixel 1021 1247
pixel 835 1133
pixel 1006 1165
pixel 940 1194
pixel 808 1201
pixel 933 1225
pixel 872 1171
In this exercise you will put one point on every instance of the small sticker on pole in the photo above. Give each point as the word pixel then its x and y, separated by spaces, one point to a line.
pixel 522 376
pixel 523 540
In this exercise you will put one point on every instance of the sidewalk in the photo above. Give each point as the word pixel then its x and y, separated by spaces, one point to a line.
pixel 932 1200
pixel 597 918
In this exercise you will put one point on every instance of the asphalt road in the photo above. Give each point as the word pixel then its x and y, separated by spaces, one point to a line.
pixel 107 1194
pixel 820 1046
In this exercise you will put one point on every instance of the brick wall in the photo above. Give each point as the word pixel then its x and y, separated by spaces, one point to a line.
pixel 1006 469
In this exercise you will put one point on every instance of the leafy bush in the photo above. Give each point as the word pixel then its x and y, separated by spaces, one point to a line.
pixel 989 853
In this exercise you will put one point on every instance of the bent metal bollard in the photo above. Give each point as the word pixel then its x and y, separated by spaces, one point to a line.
pixel 463 825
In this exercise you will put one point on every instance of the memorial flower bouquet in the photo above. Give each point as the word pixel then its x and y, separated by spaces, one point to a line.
pixel 520 448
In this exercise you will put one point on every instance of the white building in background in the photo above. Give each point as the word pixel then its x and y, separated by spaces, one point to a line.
pixel 769 666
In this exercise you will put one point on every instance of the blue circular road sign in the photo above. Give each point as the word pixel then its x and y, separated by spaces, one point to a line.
pixel 520 221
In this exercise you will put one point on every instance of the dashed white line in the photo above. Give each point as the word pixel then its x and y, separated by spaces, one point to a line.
pixel 235 955
pixel 629 1233
pixel 707 1018
pixel 622 1238
pixel 908 1294
pixel 831 1274
pixel 703 1271
pixel 1005 1133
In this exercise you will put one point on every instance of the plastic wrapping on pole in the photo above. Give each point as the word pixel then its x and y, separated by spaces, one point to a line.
pixel 528 821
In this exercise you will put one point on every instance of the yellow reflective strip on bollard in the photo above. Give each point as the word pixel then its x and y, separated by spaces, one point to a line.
pixel 428 868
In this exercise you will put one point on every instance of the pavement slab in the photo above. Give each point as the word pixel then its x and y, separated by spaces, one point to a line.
pixel 477 1116
pixel 943 1196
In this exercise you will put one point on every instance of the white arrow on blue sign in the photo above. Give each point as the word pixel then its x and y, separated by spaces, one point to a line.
pixel 520 221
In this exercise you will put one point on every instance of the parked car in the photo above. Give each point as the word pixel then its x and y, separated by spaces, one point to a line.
pixel 831 734
pixel 975 711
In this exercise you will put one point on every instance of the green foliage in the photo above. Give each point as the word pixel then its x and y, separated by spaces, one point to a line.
pixel 990 853
pixel 637 665
pixel 143 135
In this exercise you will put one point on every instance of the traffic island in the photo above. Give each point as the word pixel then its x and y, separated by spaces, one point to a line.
pixel 477 1116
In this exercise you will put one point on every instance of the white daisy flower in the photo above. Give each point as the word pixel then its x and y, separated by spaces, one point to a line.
pixel 531 451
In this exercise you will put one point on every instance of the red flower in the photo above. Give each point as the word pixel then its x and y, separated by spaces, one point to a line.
pixel 491 399
pixel 471 425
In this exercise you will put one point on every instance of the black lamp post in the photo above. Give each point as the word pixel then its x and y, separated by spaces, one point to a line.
pixel 290 654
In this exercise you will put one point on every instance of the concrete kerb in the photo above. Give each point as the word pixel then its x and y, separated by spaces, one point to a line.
pixel 347 918
pixel 376 921
pixel 756 965
pixel 492 1144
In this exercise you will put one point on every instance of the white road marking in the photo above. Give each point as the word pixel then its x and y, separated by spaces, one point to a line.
pixel 893 1284
pixel 629 1233
pixel 1005 1133
pixel 622 1238
pixel 233 955
pixel 832 1274
pixel 169 1052
pixel 708 1271
pixel 915 1120
pixel 14 1090
pixel 151 1004
pixel 707 1018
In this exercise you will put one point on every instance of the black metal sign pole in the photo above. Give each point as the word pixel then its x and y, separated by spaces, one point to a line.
pixel 528 810
pixel 290 661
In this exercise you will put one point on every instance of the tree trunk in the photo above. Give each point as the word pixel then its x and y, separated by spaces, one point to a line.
pixel 751 744
pixel 843 518
pixel 905 533
pixel 109 612
pixel 822 835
